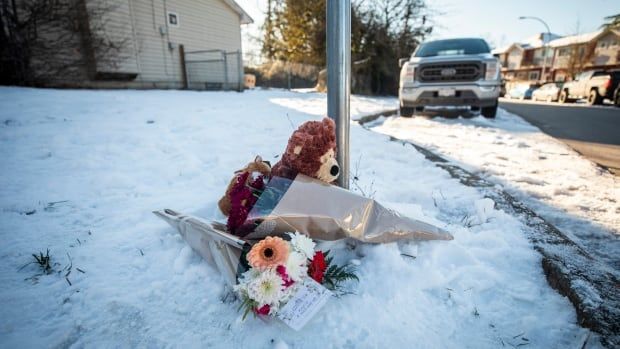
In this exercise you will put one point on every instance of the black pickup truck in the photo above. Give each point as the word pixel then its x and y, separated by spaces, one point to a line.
pixel 594 85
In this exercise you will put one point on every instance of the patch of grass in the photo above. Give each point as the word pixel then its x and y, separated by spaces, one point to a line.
pixel 44 261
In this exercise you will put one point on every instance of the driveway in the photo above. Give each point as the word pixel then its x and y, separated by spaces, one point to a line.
pixel 593 131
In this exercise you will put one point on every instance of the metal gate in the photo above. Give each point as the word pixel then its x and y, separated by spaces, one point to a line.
pixel 214 70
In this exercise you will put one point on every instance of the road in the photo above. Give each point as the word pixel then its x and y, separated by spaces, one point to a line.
pixel 593 131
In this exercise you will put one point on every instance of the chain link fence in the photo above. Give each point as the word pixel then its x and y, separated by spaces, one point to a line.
pixel 281 74
pixel 214 70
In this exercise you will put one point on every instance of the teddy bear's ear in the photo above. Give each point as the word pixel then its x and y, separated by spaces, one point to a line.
pixel 329 122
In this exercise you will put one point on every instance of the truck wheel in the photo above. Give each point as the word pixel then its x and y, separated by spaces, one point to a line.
pixel 563 97
pixel 406 112
pixel 594 98
pixel 489 112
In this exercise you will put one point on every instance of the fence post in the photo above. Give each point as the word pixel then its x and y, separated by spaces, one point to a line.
pixel 241 72
pixel 183 67
pixel 225 57
pixel 339 78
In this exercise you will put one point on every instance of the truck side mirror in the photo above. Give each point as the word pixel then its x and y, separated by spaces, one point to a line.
pixel 402 61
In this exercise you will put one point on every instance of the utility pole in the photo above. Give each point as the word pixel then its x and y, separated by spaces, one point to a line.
pixel 339 79
pixel 545 42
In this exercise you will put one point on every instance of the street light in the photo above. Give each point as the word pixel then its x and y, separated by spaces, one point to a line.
pixel 544 42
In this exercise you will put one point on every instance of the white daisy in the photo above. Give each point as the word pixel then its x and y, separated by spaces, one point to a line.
pixel 296 266
pixel 303 244
pixel 266 288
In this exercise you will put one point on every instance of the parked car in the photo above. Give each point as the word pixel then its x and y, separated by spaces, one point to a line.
pixel 521 92
pixel 548 92
pixel 595 85
pixel 617 96
pixel 446 73
pixel 502 88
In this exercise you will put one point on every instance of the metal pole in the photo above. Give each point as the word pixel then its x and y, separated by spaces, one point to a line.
pixel 339 78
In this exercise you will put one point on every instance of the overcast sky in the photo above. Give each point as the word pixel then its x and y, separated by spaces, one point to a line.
pixel 494 20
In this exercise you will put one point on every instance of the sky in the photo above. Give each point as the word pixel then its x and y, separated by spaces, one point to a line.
pixel 494 20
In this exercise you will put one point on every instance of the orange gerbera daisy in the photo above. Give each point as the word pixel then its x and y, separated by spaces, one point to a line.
pixel 268 253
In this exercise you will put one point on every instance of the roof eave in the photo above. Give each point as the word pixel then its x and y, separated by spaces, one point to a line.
pixel 244 17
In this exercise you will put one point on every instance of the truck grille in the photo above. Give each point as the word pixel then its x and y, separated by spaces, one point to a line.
pixel 449 72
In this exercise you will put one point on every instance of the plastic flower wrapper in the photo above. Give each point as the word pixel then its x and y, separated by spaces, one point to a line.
pixel 326 212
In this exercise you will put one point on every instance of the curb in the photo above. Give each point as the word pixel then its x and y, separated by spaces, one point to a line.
pixel 592 288
pixel 372 117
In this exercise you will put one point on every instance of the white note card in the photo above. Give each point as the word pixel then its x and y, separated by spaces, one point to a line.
pixel 307 301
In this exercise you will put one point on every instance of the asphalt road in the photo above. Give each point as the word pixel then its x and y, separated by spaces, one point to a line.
pixel 592 131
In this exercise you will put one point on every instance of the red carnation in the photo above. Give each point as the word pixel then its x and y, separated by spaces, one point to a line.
pixel 264 310
pixel 281 270
pixel 317 267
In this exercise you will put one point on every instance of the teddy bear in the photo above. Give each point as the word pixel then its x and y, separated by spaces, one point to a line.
pixel 311 150
pixel 258 166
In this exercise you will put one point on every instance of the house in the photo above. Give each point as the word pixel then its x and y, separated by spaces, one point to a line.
pixel 596 50
pixel 565 56
pixel 524 61
pixel 151 44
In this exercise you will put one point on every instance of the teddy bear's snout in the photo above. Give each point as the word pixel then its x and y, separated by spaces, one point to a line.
pixel 335 170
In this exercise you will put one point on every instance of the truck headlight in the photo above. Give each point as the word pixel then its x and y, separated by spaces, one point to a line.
pixel 409 76
pixel 492 70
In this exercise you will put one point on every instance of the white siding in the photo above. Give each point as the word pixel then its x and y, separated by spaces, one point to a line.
pixel 154 49
pixel 514 58
pixel 115 24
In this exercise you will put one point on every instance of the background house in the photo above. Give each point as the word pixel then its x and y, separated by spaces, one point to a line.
pixel 595 50
pixel 139 44
pixel 522 63
pixel 524 60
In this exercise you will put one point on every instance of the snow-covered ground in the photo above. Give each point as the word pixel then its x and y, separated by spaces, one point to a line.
pixel 316 104
pixel 570 191
pixel 82 170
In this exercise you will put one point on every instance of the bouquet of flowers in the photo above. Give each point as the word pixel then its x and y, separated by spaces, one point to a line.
pixel 278 268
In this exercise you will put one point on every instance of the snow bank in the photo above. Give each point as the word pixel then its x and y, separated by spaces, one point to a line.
pixel 566 189
pixel 83 169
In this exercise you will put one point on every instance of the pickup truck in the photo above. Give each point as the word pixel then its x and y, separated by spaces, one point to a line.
pixel 448 73
pixel 594 85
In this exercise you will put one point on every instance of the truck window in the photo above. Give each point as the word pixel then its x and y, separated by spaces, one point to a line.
pixel 452 47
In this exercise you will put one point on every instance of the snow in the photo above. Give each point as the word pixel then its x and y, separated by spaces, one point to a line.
pixel 316 104
pixel 563 187
pixel 575 39
pixel 94 164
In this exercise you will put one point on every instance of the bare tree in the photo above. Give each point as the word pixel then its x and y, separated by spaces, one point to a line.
pixel 50 41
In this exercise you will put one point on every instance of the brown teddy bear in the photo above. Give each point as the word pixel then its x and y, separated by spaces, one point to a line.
pixel 311 150
pixel 256 166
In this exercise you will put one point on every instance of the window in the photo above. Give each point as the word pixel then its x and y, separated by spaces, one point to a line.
pixel 452 47
pixel 173 19
pixel 533 75
pixel 582 50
